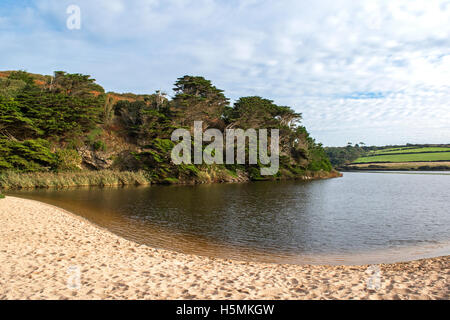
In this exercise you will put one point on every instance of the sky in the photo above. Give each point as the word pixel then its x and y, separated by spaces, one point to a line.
pixel 367 71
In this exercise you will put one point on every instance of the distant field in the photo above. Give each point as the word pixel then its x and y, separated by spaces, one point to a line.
pixel 413 157
pixel 391 149
pixel 410 150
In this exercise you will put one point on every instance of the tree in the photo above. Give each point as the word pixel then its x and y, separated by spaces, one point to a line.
pixel 196 99
pixel 58 114
pixel 288 117
pixel 9 88
pixel 21 75
pixel 75 84
pixel 29 155
pixel 251 112
pixel 257 112
pixel 13 124
pixel 145 119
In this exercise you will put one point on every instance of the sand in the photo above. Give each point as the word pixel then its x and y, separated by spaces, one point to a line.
pixel 48 253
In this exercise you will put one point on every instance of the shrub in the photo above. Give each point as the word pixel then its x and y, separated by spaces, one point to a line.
pixel 27 156
pixel 99 145
pixel 15 180
pixel 10 88
pixel 68 160
pixel 21 76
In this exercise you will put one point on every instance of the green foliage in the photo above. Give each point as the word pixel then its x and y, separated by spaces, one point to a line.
pixel 76 84
pixel 93 135
pixel 406 157
pixel 57 114
pixel 169 180
pixel 340 156
pixel 318 159
pixel 26 156
pixel 256 112
pixel 163 145
pixel 99 146
pixel 9 88
pixel 144 120
pixel 32 116
pixel 93 140
pixel 21 76
pixel 255 174
pixel 350 155
pixel 156 159
pixel 67 160
pixel 197 99
pixel 108 110
pixel 68 112
pixel 407 150
pixel 13 123
pixel 189 169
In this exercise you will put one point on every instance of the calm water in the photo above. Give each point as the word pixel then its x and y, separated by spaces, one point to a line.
pixel 360 218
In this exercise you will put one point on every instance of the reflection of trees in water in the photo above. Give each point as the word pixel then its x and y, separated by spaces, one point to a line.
pixel 358 213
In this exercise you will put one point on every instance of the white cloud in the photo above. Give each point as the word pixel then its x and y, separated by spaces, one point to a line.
pixel 377 71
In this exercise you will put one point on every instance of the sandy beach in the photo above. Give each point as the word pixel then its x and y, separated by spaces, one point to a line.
pixel 48 253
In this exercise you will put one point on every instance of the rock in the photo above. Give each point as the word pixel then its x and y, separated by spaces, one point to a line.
pixel 98 160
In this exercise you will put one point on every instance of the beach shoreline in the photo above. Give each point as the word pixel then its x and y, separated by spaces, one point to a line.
pixel 49 253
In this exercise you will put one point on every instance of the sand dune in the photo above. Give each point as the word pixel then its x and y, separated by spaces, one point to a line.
pixel 48 253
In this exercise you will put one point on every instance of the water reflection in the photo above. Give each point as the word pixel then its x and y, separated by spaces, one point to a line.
pixel 360 218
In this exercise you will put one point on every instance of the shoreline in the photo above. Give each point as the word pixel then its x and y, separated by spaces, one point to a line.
pixel 431 166
pixel 40 243
pixel 14 181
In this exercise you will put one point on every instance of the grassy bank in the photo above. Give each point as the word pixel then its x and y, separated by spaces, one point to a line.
pixel 15 180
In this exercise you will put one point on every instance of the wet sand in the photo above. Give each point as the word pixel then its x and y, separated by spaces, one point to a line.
pixel 49 253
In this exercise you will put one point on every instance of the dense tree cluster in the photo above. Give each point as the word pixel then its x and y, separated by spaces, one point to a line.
pixel 46 120
pixel 340 156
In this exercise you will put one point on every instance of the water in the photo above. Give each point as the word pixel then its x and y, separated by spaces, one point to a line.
pixel 358 219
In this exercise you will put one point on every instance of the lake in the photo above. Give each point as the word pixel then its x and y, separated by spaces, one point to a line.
pixel 361 218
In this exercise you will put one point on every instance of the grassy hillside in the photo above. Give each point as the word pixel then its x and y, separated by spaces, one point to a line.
pixel 423 157
pixel 406 157
pixel 409 150
pixel 403 157
pixel 67 123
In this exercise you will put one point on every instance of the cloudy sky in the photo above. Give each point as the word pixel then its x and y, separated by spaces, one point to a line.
pixel 371 71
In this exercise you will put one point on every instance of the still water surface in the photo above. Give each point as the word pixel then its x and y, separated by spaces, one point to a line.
pixel 358 219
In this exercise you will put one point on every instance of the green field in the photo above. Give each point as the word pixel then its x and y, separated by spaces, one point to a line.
pixel 410 150
pixel 413 157
pixel 399 149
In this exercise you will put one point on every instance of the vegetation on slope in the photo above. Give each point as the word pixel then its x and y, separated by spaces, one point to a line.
pixel 340 156
pixel 66 123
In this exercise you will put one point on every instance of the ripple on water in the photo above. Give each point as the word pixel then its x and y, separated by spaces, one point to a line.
pixel 358 219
